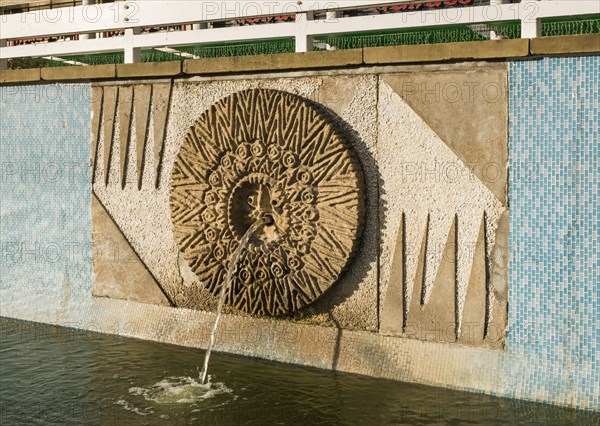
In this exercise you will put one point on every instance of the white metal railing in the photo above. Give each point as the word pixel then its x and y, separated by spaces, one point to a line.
pixel 83 22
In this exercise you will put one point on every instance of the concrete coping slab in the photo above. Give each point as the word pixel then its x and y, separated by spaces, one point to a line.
pixel 372 56
pixel 489 49
pixel 20 76
pixel 281 61
pixel 149 69
pixel 89 72
pixel 561 45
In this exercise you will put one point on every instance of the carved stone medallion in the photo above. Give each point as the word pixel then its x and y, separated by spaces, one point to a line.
pixel 265 151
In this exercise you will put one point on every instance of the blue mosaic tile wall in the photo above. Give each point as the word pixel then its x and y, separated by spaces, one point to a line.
pixel 45 193
pixel 555 220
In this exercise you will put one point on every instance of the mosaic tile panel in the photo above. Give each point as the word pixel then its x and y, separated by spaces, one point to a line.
pixel 45 221
pixel 555 221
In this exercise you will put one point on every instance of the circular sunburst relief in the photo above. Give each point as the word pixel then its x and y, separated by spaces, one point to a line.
pixel 257 152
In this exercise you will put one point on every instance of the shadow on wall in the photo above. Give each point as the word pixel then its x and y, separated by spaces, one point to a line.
pixel 367 255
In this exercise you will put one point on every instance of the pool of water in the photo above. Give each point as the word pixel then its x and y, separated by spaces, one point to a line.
pixel 53 375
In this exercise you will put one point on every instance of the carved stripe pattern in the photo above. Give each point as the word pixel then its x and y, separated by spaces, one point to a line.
pixel 127 101
pixel 125 105
pixel 143 92
pixel 108 116
pixel 97 94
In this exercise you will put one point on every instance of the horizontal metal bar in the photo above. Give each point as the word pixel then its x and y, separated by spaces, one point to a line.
pixel 58 48
pixel 182 38
pixel 148 13
pixel 149 41
pixel 526 11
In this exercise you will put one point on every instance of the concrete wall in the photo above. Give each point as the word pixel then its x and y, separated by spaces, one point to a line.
pixel 551 347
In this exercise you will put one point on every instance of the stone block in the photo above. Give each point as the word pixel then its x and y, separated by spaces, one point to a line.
pixel 118 271
pixel 91 72
pixel 20 76
pixel 431 194
pixel 149 69
pixel 565 45
pixel 278 62
pixel 489 49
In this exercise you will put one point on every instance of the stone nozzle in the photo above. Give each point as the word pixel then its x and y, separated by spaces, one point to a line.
pixel 268 219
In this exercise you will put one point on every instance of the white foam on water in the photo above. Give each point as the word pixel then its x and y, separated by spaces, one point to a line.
pixel 129 407
pixel 180 390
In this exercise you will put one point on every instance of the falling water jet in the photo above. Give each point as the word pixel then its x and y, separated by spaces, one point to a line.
pixel 265 219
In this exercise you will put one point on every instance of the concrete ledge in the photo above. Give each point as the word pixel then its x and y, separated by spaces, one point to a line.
pixel 585 43
pixel 278 62
pixel 490 49
pixel 149 69
pixel 20 76
pixel 481 50
pixel 91 72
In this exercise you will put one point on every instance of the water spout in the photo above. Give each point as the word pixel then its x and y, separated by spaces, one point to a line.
pixel 265 219
pixel 268 220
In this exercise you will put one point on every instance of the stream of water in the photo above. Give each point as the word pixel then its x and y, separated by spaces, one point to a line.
pixel 234 260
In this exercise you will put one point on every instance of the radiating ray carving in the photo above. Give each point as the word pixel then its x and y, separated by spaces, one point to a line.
pixel 269 151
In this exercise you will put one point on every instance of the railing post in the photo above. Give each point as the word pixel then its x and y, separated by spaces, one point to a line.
pixel 3 62
pixel 202 26
pixel 304 41
pixel 132 54
pixel 87 36
pixel 531 26
pixel 531 29
pixel 333 16
pixel 496 3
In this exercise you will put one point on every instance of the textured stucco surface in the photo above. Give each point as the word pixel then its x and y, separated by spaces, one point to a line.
pixel 468 110
pixel 422 176
pixel 118 271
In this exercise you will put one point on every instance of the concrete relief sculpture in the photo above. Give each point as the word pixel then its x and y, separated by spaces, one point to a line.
pixel 264 151
pixel 254 152
pixel 183 170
